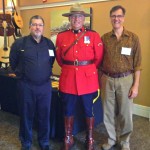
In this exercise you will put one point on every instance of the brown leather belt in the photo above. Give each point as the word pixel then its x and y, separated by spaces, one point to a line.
pixel 78 63
pixel 118 75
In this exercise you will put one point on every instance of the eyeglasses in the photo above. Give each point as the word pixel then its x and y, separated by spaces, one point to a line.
pixel 35 25
pixel 117 16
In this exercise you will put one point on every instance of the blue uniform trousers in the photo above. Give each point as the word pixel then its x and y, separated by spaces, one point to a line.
pixel 34 99
pixel 70 100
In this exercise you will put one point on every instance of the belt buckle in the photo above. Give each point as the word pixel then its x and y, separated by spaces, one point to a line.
pixel 76 63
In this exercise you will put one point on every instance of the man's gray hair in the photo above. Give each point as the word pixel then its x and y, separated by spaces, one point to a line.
pixel 35 17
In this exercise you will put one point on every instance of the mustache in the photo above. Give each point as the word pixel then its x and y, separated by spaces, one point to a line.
pixel 37 30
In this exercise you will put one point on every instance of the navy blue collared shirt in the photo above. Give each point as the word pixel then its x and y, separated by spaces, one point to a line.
pixel 31 60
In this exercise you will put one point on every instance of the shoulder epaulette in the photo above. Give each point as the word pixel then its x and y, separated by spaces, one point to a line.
pixel 64 31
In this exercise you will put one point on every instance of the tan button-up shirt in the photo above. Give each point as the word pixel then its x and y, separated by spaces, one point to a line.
pixel 121 55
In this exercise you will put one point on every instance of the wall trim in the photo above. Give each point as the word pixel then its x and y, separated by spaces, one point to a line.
pixel 141 110
pixel 45 5
pixel 57 4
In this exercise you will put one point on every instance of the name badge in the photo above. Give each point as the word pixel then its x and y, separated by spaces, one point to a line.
pixel 86 39
pixel 126 51
pixel 51 52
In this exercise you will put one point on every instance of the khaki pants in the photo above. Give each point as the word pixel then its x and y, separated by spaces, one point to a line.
pixel 117 107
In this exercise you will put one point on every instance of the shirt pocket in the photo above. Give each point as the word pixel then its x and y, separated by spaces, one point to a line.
pixel 88 50
pixel 91 72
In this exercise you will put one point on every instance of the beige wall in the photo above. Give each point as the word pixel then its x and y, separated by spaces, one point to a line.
pixel 137 20
pixel 37 2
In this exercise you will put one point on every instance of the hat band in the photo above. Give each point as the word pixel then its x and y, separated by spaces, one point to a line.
pixel 77 12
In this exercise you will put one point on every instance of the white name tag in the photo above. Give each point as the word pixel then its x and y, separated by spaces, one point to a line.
pixel 126 51
pixel 51 52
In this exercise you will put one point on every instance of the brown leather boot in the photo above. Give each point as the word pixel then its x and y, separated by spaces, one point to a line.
pixel 68 140
pixel 89 137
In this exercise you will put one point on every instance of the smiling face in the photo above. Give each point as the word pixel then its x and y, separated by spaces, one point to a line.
pixel 36 28
pixel 77 21
pixel 117 19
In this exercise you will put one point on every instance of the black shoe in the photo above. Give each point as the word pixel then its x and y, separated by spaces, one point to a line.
pixel 45 147
pixel 25 148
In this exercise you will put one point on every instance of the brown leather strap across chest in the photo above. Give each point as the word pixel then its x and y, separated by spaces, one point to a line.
pixel 75 41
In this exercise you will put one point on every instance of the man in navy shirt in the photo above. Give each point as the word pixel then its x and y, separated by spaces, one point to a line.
pixel 32 58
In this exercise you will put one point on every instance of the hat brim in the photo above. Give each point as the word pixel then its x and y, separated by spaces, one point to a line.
pixel 72 13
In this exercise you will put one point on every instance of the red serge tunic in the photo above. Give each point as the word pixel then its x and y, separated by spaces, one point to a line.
pixel 79 80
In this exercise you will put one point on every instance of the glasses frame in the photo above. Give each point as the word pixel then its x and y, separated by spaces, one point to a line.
pixel 35 25
pixel 117 16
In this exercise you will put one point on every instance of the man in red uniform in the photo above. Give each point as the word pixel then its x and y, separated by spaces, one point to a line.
pixel 79 53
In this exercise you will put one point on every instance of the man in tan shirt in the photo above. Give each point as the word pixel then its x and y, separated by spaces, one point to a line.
pixel 120 79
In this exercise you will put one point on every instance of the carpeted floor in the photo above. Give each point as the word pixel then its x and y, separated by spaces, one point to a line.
pixel 9 125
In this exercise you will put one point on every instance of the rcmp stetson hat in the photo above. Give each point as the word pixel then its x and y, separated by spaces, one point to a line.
pixel 76 9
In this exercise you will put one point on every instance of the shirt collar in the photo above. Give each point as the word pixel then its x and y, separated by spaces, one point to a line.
pixel 125 32
pixel 35 40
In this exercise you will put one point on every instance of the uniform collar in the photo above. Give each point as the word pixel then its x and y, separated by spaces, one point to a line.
pixel 76 31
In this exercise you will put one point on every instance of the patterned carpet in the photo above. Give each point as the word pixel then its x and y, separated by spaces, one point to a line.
pixel 9 125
